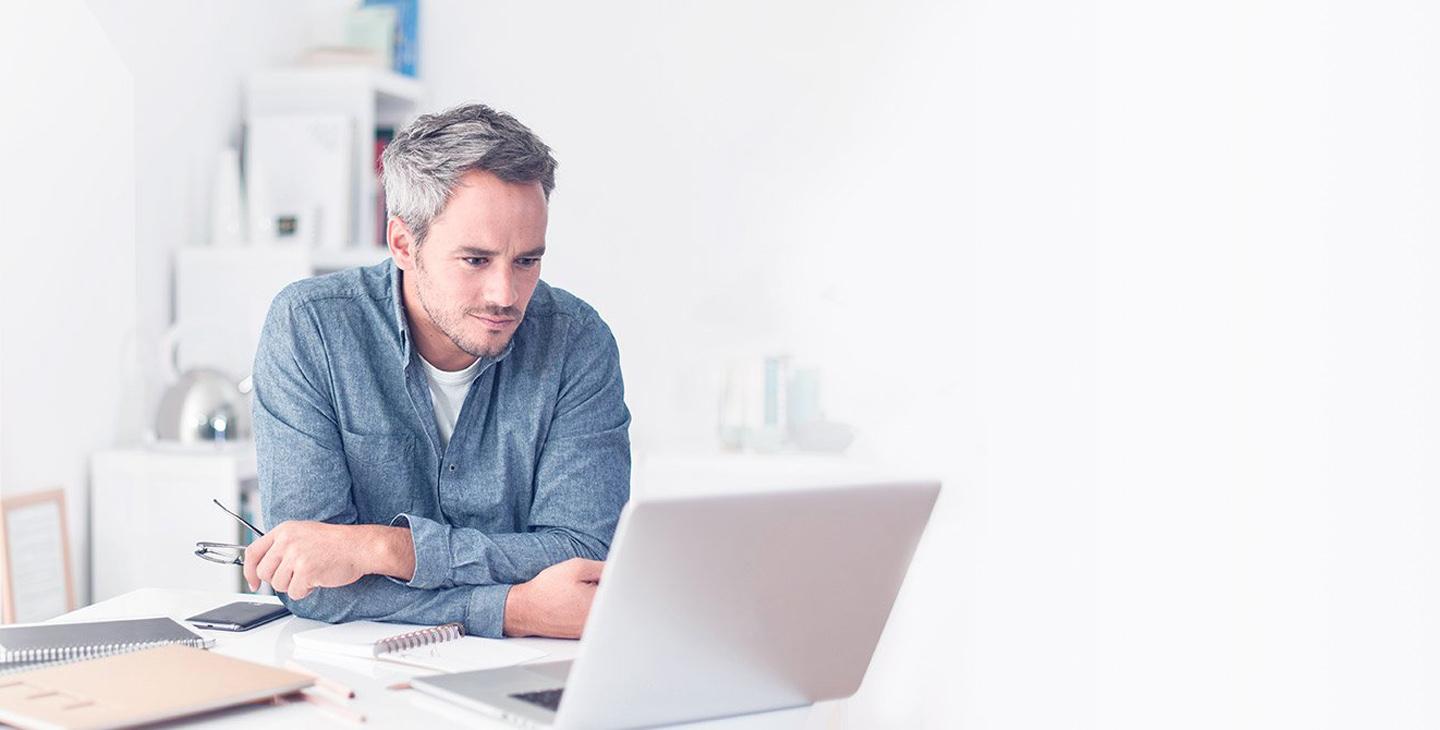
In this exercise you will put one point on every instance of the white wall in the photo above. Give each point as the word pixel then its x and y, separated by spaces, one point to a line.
pixel 67 280
pixel 1149 284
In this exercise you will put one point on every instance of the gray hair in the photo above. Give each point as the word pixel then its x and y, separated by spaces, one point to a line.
pixel 426 160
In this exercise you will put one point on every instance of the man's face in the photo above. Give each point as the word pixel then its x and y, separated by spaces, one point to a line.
pixel 480 261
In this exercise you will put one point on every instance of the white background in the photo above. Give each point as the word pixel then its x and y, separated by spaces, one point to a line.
pixel 1148 284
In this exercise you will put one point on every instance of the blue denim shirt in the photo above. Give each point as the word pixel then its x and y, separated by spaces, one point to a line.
pixel 535 473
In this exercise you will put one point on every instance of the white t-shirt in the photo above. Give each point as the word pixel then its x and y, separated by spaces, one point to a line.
pixel 447 392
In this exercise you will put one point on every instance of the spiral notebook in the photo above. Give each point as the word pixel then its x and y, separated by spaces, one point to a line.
pixel 443 648
pixel 31 644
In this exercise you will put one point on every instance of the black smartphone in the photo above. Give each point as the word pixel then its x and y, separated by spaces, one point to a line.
pixel 239 616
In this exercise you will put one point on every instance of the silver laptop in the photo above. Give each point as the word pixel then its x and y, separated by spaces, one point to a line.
pixel 721 605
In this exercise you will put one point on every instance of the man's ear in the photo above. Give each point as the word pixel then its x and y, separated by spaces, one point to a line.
pixel 402 243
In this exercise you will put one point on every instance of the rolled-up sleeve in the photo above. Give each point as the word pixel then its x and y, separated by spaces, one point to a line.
pixel 582 480
pixel 304 475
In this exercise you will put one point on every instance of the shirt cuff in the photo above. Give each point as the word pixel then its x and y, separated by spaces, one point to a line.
pixel 485 616
pixel 432 551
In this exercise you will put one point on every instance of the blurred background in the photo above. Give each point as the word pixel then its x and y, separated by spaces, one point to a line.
pixel 1149 286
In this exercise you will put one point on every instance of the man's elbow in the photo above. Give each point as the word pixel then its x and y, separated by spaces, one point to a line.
pixel 314 606
pixel 588 546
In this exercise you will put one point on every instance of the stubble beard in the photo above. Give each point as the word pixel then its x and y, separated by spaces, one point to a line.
pixel 451 324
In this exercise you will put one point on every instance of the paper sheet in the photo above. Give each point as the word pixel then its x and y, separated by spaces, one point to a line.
pixel 37 561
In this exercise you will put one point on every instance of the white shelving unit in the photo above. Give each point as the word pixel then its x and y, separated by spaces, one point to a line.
pixel 372 99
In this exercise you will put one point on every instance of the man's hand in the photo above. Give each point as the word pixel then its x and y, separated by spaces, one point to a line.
pixel 554 603
pixel 297 557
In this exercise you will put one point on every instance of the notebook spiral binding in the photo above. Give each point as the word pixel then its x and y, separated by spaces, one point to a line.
pixel 26 659
pixel 423 637
pixel 50 654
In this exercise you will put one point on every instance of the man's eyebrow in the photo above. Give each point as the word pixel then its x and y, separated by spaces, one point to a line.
pixel 478 252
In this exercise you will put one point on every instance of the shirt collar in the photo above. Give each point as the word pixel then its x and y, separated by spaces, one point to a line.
pixel 397 299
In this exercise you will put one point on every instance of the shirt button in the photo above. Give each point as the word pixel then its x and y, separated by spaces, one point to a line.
pixel 452 467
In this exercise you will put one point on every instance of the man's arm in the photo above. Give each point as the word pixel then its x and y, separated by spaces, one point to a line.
pixel 555 603
pixel 304 475
pixel 582 480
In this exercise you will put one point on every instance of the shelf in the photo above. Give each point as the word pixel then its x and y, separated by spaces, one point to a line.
pixel 243 452
pixel 288 260
pixel 349 258
pixel 391 99
pixel 398 89
pixel 393 88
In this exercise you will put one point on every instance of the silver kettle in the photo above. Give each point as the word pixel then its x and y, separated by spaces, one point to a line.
pixel 200 405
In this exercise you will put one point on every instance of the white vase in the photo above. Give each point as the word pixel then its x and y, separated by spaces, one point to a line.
pixel 257 199
pixel 227 206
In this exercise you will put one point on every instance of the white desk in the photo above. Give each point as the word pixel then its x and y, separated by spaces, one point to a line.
pixel 384 708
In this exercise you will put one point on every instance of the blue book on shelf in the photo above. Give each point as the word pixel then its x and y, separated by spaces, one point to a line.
pixel 407 33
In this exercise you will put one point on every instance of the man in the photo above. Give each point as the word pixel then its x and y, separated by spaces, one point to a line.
pixel 443 437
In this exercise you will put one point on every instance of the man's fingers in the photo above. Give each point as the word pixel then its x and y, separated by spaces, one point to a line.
pixel 299 587
pixel 281 579
pixel 265 570
pixel 586 593
pixel 253 555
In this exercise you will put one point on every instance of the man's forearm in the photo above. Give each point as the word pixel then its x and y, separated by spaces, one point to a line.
pixel 548 605
pixel 389 551
pixel 446 554
pixel 374 598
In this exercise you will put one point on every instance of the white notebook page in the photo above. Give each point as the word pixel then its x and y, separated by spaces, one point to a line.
pixel 358 638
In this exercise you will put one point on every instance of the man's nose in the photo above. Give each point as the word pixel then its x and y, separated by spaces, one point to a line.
pixel 500 288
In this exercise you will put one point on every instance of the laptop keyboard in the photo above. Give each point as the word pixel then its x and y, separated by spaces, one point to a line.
pixel 547 698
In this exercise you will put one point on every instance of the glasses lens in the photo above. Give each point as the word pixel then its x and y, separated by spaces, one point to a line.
pixel 221 553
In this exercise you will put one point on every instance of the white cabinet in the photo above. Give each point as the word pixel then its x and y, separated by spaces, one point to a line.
pixel 148 508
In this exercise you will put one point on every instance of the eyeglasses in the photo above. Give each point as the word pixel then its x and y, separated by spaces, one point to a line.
pixel 223 552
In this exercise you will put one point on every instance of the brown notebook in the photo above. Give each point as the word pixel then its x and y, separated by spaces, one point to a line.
pixel 139 687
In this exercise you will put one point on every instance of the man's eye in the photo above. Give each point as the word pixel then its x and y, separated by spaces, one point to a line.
pixel 527 263
pixel 474 260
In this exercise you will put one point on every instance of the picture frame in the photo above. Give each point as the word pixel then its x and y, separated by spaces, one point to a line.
pixel 35 576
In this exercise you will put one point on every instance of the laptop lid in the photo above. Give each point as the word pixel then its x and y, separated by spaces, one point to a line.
pixel 729 604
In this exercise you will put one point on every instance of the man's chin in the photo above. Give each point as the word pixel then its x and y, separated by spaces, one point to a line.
pixel 488 347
